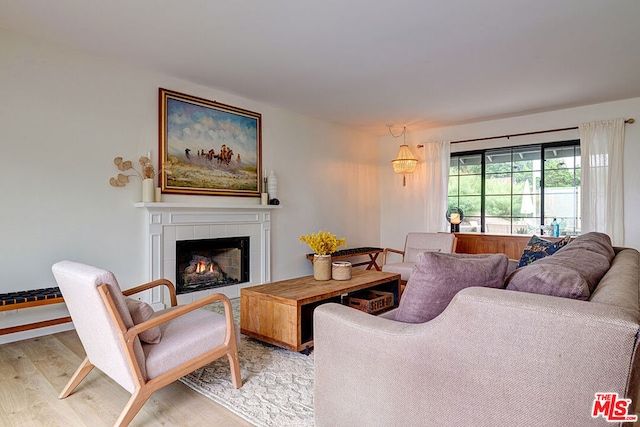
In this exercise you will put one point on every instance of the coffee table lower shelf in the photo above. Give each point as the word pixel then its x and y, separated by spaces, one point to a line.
pixel 281 313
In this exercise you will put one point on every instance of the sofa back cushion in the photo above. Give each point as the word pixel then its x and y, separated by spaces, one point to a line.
pixel 437 277
pixel 572 272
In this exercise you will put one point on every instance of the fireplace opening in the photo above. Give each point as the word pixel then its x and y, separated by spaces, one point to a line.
pixel 211 263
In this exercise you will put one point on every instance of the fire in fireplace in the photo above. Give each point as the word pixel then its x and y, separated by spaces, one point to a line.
pixel 210 263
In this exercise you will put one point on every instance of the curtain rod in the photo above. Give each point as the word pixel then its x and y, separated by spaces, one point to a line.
pixel 630 121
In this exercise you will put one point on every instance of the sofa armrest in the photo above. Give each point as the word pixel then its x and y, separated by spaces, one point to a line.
pixel 491 358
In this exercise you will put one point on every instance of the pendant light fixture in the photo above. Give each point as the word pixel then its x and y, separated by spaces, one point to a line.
pixel 405 162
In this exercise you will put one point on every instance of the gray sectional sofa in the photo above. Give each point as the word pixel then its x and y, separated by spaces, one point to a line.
pixel 494 357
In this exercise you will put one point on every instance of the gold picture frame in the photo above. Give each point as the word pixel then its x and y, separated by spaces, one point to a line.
pixel 208 148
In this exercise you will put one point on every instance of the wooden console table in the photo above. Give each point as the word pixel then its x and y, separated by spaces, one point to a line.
pixel 350 253
pixel 511 245
pixel 281 313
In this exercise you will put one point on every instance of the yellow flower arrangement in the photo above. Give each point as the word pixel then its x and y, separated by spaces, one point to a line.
pixel 323 242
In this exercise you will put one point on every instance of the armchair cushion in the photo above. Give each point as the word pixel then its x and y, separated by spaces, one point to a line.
pixel 181 341
pixel 438 277
pixel 404 269
pixel 140 312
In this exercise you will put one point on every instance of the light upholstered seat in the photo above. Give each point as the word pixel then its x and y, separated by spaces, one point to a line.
pixel 416 243
pixel 113 330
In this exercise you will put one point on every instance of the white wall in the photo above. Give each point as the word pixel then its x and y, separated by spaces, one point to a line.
pixel 65 115
pixel 402 209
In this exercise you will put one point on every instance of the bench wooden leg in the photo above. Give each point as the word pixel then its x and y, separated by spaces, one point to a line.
pixel 373 262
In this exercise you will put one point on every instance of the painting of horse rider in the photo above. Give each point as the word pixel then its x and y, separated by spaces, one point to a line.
pixel 212 148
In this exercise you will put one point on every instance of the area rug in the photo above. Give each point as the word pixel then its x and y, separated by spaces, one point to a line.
pixel 277 385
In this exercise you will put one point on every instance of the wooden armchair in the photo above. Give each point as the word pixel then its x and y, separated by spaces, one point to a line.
pixel 416 243
pixel 187 338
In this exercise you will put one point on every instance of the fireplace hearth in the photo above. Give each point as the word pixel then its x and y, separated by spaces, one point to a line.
pixel 211 263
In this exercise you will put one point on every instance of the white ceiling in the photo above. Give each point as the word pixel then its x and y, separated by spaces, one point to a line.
pixel 364 63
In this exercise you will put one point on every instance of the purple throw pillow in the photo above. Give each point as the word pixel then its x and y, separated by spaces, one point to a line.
pixel 437 278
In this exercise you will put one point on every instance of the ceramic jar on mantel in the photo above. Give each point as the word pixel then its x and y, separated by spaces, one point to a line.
pixel 148 191
pixel 322 267
pixel 272 186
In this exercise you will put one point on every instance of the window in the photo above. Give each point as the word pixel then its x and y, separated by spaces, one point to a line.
pixel 518 190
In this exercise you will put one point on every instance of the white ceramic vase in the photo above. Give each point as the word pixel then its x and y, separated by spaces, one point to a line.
pixel 148 190
pixel 272 186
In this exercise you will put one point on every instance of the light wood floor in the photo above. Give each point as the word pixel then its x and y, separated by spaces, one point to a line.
pixel 34 371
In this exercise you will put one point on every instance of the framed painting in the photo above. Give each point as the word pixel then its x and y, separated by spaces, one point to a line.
pixel 208 148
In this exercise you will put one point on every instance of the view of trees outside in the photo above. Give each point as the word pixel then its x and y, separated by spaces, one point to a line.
pixel 512 189
pixel 562 188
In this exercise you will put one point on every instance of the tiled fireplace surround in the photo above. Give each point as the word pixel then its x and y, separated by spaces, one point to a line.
pixel 171 222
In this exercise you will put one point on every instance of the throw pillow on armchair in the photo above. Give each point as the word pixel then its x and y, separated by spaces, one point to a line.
pixel 438 277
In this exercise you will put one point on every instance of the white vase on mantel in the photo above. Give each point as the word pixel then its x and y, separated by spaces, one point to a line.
pixel 148 190
pixel 272 186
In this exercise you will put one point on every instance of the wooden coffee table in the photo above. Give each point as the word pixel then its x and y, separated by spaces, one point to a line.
pixel 281 313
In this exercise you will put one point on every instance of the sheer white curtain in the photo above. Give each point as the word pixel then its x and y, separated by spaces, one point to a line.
pixel 437 184
pixel 602 153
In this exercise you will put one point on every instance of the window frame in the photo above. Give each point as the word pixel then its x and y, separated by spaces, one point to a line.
pixel 542 148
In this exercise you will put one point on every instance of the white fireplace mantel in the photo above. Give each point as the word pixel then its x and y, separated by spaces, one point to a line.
pixel 172 205
pixel 169 222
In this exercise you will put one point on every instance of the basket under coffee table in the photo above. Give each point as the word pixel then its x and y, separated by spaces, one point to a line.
pixel 281 313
